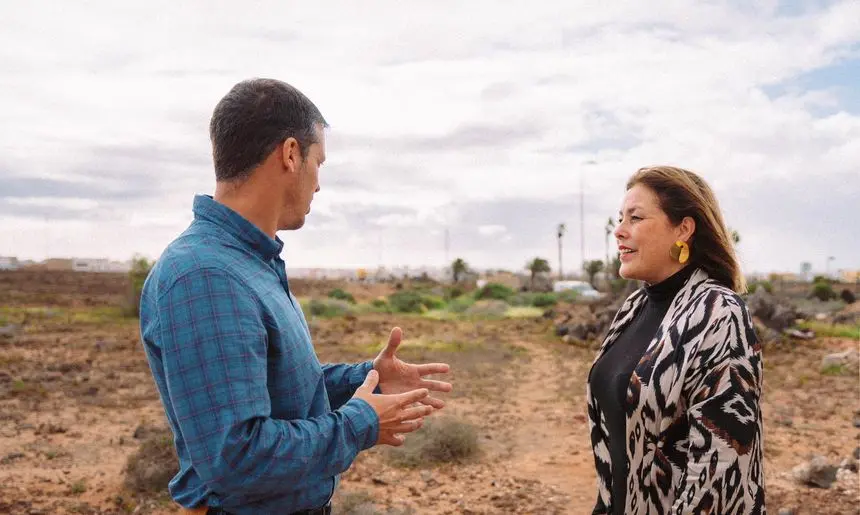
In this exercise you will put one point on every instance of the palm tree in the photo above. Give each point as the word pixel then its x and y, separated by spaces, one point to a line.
pixel 560 231
pixel 459 268
pixel 537 266
pixel 610 228
pixel 592 268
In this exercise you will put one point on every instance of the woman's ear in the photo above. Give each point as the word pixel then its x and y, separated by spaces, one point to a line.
pixel 686 229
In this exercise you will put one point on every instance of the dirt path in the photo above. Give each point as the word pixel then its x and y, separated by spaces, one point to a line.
pixel 550 441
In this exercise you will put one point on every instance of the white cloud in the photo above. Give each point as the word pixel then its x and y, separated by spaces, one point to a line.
pixel 434 107
pixel 492 230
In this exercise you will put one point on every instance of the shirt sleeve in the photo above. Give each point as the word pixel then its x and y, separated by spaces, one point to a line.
pixel 214 353
pixel 724 458
pixel 341 380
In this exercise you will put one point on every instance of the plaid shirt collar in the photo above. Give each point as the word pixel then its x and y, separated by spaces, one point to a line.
pixel 208 209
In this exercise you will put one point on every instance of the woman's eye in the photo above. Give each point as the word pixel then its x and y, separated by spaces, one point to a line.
pixel 634 217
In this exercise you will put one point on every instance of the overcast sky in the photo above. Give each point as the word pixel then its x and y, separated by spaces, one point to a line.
pixel 480 116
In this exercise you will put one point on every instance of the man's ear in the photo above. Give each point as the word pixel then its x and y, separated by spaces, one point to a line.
pixel 291 155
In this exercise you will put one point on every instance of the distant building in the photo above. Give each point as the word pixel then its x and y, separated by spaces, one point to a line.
pixel 56 264
pixel 789 277
pixel 849 276
pixel 99 265
pixel 9 263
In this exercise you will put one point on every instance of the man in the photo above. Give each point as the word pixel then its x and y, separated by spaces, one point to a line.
pixel 261 427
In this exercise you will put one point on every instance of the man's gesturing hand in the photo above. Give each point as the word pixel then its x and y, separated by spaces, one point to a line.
pixel 396 412
pixel 397 376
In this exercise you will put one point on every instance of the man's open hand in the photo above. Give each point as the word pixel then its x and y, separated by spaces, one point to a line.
pixel 397 413
pixel 396 376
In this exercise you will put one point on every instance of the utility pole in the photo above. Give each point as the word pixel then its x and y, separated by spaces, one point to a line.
pixel 447 245
pixel 560 233
pixel 582 217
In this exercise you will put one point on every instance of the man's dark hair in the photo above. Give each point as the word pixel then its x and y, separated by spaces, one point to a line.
pixel 252 118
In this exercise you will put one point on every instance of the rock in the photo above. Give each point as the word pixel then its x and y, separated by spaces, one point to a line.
pixel 849 358
pixel 761 304
pixel 782 318
pixel 799 334
pixel 846 317
pixel 9 331
pixel 786 511
pixel 857 453
pixel 849 464
pixel 821 317
pixel 765 333
pixel 817 472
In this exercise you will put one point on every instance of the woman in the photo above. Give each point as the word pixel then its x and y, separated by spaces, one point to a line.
pixel 673 395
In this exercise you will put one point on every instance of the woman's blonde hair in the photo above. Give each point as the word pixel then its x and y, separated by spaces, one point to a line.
pixel 683 193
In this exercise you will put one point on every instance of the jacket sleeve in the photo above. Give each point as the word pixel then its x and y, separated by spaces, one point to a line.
pixel 723 390
pixel 214 353
pixel 342 380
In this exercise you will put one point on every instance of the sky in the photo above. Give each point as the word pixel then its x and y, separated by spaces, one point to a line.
pixel 488 121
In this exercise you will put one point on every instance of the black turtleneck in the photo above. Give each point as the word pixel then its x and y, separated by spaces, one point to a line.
pixel 611 374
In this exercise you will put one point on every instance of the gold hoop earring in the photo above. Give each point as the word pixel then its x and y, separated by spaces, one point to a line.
pixel 680 251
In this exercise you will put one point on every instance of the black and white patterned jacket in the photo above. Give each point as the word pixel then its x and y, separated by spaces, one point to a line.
pixel 694 425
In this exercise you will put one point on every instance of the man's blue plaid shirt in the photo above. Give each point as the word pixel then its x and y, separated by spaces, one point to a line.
pixel 260 425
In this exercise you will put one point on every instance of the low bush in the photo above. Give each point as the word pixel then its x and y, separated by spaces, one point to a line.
pixel 494 291
pixel 441 440
pixel 153 465
pixel 340 294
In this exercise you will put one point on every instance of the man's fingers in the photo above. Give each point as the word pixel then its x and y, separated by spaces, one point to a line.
pixel 408 398
pixel 415 412
pixel 371 380
pixel 433 401
pixel 393 342
pixel 436 386
pixel 433 368
pixel 406 427
pixel 394 440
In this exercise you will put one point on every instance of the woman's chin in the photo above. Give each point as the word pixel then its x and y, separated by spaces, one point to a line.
pixel 627 272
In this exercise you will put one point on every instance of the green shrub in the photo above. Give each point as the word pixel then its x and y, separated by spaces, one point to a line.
pixel 454 292
pixel 432 302
pixel 140 269
pixel 339 294
pixel 460 304
pixel 328 308
pixel 443 440
pixel 569 296
pixel 488 309
pixel 405 301
pixel 522 299
pixel 411 301
pixel 767 285
pixel 543 300
pixel 380 304
pixel 494 291
pixel 823 291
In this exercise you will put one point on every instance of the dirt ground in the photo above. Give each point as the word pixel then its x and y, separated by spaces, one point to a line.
pixel 75 391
